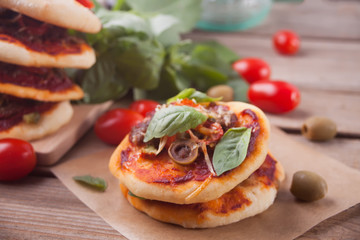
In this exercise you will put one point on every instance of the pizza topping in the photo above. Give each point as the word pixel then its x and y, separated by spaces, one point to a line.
pixel 13 109
pixel 222 115
pixel 86 3
pixel 184 126
pixel 32 118
pixel 183 151
pixel 191 93
pixel 173 119
pixel 37 35
pixel 52 79
pixel 231 150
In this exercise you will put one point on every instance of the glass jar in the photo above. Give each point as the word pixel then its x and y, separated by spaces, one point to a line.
pixel 234 15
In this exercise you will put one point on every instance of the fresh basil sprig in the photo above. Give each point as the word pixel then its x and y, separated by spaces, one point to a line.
pixel 191 93
pixel 94 182
pixel 231 150
pixel 173 119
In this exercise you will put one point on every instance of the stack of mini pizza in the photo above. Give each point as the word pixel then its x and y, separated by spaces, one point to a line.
pixel 35 47
pixel 199 164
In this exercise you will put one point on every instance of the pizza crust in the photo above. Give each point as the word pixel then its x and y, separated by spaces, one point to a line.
pixel 64 13
pixel 73 93
pixel 16 52
pixel 258 196
pixel 49 122
pixel 214 188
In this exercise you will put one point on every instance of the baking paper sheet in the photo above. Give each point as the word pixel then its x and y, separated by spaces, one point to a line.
pixel 287 218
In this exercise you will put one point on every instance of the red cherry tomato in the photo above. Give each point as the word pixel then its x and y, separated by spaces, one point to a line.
pixel 286 42
pixel 252 69
pixel 86 3
pixel 143 106
pixel 17 159
pixel 274 96
pixel 113 125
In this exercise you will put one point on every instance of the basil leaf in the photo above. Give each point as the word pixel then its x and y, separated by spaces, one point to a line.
pixel 240 89
pixel 166 29
pixel 173 119
pixel 103 82
pixel 231 150
pixel 224 53
pixel 186 11
pixel 191 93
pixel 133 195
pixel 186 93
pixel 94 182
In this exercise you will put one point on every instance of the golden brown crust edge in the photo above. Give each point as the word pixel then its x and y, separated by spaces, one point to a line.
pixel 64 13
pixel 73 93
pixel 179 194
pixel 18 53
pixel 260 197
pixel 50 122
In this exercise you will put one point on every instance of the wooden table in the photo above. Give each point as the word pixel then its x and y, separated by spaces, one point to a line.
pixel 327 71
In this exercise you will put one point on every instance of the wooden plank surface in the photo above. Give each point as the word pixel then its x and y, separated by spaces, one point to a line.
pixel 339 107
pixel 335 19
pixel 42 208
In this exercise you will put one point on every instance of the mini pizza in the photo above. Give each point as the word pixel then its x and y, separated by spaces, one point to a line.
pixel 250 197
pixel 42 84
pixel 191 152
pixel 29 120
pixel 29 42
pixel 64 13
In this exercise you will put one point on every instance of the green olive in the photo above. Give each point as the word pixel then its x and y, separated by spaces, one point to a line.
pixel 318 129
pixel 32 118
pixel 308 186
pixel 224 91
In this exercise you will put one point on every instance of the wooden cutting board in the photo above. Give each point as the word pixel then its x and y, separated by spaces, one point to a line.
pixel 51 148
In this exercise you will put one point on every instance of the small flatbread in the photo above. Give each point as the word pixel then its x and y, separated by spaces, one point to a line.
pixel 159 178
pixel 251 197
pixel 64 13
pixel 50 121
pixel 15 52
pixel 73 93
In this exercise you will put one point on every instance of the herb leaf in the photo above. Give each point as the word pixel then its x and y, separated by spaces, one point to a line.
pixel 186 11
pixel 133 195
pixel 94 182
pixel 231 151
pixel 191 93
pixel 240 89
pixel 173 119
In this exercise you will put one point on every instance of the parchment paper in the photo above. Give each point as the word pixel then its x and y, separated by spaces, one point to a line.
pixel 287 218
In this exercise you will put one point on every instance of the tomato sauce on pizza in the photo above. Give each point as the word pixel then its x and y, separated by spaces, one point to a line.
pixel 160 168
pixel 12 110
pixel 229 202
pixel 36 35
pixel 52 79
